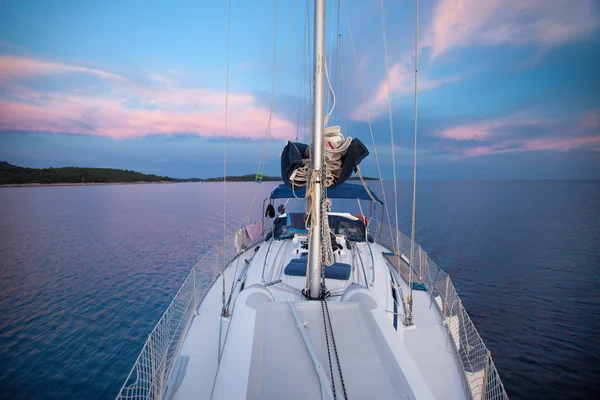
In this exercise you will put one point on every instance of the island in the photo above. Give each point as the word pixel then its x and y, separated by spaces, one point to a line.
pixel 14 175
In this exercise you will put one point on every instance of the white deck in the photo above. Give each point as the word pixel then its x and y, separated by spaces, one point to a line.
pixel 421 351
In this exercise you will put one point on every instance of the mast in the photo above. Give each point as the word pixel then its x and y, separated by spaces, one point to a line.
pixel 314 256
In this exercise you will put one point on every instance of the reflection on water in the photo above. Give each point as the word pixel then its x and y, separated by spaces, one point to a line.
pixel 86 272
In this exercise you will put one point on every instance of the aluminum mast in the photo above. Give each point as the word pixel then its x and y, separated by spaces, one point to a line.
pixel 314 257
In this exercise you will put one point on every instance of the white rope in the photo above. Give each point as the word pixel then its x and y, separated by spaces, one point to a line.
pixel 414 193
pixel 389 96
pixel 327 257
pixel 343 89
pixel 334 149
pixel 365 186
pixel 309 207
pixel 330 41
pixel 328 116
pixel 364 98
pixel 308 219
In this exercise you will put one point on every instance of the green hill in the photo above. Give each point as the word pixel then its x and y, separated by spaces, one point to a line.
pixel 12 174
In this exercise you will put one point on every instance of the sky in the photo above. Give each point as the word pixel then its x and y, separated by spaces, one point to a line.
pixel 508 89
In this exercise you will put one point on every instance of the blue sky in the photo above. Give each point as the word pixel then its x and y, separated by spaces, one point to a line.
pixel 508 89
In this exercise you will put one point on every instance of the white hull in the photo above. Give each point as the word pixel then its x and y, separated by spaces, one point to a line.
pixel 430 359
pixel 425 342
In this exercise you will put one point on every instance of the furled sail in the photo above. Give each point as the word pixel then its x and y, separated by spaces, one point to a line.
pixel 341 156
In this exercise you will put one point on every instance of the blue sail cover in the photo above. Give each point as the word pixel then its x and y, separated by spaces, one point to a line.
pixel 294 154
pixel 342 191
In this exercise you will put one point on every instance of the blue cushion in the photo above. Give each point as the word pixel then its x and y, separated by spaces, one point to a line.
pixel 339 271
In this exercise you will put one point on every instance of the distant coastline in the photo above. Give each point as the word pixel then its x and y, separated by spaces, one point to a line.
pixel 81 184
pixel 15 176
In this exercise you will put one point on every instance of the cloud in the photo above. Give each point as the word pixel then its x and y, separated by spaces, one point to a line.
pixel 509 135
pixel 401 84
pixel 460 23
pixel 161 78
pixel 560 143
pixel 81 115
pixel 12 67
pixel 591 120
pixel 481 130
pixel 542 144
pixel 121 108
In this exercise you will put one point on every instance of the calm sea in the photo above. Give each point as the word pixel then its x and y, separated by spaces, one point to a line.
pixel 86 272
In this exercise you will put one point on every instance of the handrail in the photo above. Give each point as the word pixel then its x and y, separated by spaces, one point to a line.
pixel 478 372
pixel 148 378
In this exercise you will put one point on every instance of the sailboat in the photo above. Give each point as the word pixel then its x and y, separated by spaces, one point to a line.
pixel 316 304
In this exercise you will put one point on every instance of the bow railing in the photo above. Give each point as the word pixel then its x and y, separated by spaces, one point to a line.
pixel 149 377
pixel 479 375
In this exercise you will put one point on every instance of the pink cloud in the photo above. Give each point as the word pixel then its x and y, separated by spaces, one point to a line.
pixel 482 130
pixel 479 151
pixel 495 143
pixel 525 145
pixel 591 120
pixel 13 67
pixel 401 83
pixel 459 23
pixel 122 109
pixel 161 78
pixel 110 118
pixel 560 143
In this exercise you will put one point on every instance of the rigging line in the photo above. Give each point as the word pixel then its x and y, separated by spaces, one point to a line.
pixel 343 88
pixel 306 73
pixel 338 61
pixel 260 167
pixel 330 91
pixel 362 180
pixel 362 91
pixel 414 193
pixel 220 336
pixel 274 66
pixel 337 66
pixel 328 349
pixel 224 311
pixel 338 50
pixel 276 87
pixel 302 83
pixel 337 357
pixel 331 39
pixel 310 77
pixel 233 282
pixel 392 140
pixel 273 98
